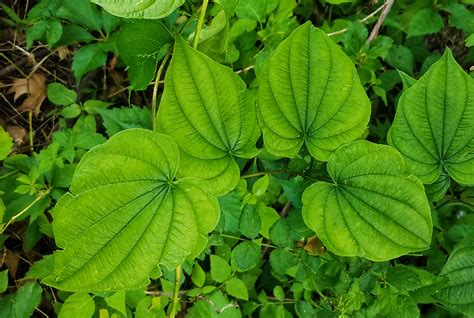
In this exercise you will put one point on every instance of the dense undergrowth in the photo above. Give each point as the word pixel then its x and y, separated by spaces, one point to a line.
pixel 310 158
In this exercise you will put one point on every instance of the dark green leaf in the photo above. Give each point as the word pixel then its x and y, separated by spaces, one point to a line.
pixel 249 223
pixel 246 256
pixel 118 119
pixel 425 21
pixel 282 260
pixel 88 58
pixel 220 269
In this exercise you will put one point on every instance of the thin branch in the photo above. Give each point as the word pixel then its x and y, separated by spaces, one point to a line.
pixel 174 304
pixel 262 173
pixel 40 196
pixel 364 20
pixel 200 23
pixel 155 88
pixel 375 31
pixel 248 68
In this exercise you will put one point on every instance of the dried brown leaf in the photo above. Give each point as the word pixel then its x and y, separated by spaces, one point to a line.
pixel 35 87
pixel 10 260
pixel 63 52
pixel 18 134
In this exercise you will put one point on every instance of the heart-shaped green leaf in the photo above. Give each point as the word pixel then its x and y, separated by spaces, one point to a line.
pixel 126 214
pixel 310 94
pixel 374 208
pixel 140 9
pixel 433 126
pixel 207 109
pixel 458 293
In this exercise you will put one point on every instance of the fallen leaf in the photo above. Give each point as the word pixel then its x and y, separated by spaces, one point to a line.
pixel 18 134
pixel 10 260
pixel 35 87
pixel 63 52
pixel 314 246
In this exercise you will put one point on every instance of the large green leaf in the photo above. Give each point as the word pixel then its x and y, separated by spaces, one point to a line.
pixel 458 293
pixel 207 109
pixel 126 214
pixel 310 94
pixel 140 9
pixel 374 208
pixel 433 126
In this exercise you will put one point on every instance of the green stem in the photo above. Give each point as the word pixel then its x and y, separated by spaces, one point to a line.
pixel 197 34
pixel 242 239
pixel 279 171
pixel 40 196
pixel 177 279
pixel 30 126
pixel 262 173
pixel 155 89
pixel 8 174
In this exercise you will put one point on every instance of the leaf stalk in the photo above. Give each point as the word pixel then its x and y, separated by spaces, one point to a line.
pixel 197 34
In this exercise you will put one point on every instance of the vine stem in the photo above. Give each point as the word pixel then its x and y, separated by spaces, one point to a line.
pixel 279 171
pixel 245 240
pixel 177 280
pixel 364 20
pixel 197 34
pixel 262 173
pixel 40 196
pixel 30 127
pixel 155 89
pixel 383 15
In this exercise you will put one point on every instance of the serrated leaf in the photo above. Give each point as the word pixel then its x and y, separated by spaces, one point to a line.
pixel 207 109
pixel 131 215
pixel 119 119
pixel 458 292
pixel 140 9
pixel 249 222
pixel 246 256
pixel 230 212
pixel 374 208
pixel 433 125
pixel 280 233
pixel 310 94
pixel 281 260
